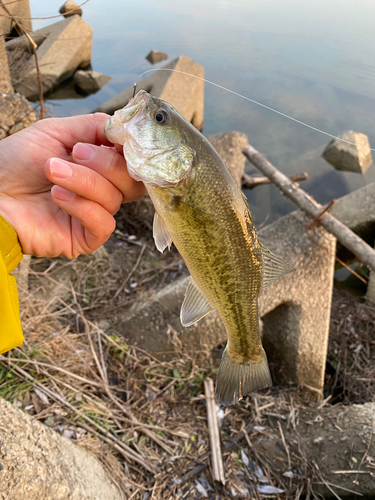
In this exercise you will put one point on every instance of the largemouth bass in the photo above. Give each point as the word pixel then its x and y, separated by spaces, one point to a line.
pixel 200 208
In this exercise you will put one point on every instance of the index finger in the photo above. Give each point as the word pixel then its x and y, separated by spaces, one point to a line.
pixel 82 128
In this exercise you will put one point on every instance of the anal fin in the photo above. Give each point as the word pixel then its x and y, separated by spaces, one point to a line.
pixel 195 305
pixel 273 267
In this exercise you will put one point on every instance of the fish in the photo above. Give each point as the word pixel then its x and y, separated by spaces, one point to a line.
pixel 200 208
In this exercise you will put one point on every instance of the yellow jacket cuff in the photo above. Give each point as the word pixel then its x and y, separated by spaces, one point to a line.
pixel 10 256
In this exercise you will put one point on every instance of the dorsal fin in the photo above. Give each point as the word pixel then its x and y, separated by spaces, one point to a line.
pixel 161 234
pixel 195 305
pixel 273 267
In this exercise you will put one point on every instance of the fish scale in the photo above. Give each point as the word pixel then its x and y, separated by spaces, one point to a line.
pixel 200 208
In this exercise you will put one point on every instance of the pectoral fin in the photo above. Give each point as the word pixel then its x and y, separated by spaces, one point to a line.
pixel 161 234
pixel 273 267
pixel 195 305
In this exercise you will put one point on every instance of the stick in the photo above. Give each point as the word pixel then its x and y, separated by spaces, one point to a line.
pixel 213 429
pixel 345 236
pixel 250 182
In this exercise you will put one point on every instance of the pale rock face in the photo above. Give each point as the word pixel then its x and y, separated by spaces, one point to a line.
pixel 37 463
pixel 355 157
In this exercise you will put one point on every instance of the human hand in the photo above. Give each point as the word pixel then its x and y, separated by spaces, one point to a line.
pixel 59 199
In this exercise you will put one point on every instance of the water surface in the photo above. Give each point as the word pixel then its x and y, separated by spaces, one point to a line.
pixel 312 60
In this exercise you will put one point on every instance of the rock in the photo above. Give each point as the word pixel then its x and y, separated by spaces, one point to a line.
pixel 356 210
pixel 370 294
pixel 19 9
pixel 62 48
pixel 5 79
pixel 295 336
pixel 16 113
pixel 155 56
pixel 184 92
pixel 350 157
pixel 70 8
pixel 229 145
pixel 39 464
pixel 335 438
pixel 90 81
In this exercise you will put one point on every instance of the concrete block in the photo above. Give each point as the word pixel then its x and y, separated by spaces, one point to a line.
pixel 184 92
pixel 354 157
pixel 295 310
pixel 62 48
pixel 70 8
pixel 357 210
pixel 5 79
pixel 229 145
pixel 155 56
pixel 90 81
pixel 19 9
pixel 370 294
pixel 16 113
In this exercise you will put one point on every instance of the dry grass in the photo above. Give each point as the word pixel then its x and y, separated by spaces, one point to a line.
pixel 146 420
pixel 350 374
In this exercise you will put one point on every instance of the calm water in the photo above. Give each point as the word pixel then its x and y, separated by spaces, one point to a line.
pixel 312 60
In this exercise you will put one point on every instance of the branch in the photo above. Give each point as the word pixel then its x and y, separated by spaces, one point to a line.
pixel 345 236
pixel 250 182
pixel 213 429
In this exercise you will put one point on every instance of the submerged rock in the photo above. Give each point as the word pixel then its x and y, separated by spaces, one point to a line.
pixel 90 81
pixel 155 56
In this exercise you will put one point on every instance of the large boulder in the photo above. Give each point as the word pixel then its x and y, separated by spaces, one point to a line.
pixel 36 463
pixel 62 48
pixel 183 91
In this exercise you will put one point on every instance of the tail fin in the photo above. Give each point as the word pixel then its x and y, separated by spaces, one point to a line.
pixel 236 380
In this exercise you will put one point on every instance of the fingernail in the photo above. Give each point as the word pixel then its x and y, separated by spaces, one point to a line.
pixel 61 193
pixel 59 168
pixel 83 151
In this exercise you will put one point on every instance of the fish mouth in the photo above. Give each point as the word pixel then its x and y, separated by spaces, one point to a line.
pixel 115 124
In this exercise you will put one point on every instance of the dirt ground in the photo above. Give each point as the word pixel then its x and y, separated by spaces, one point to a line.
pixel 146 420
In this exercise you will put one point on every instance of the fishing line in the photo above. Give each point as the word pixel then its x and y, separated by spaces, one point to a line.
pixel 253 101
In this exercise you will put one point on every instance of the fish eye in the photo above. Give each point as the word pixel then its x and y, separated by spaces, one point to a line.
pixel 161 116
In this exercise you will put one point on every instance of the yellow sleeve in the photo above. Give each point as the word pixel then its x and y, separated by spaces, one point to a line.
pixel 10 256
